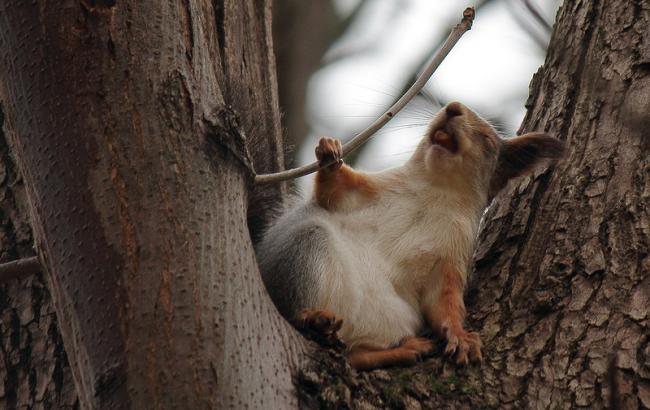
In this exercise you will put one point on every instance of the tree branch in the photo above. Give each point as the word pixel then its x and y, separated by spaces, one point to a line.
pixel 435 99
pixel 19 268
pixel 359 139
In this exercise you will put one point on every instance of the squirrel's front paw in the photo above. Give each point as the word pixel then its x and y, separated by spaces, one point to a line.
pixel 329 152
pixel 466 345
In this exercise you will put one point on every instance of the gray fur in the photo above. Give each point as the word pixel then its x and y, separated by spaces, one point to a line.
pixel 289 258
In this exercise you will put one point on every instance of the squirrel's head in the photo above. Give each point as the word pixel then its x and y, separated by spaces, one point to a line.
pixel 461 150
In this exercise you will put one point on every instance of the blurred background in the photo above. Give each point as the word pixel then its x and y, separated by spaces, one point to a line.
pixel 341 63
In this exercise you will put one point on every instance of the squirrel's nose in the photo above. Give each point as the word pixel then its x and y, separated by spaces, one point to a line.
pixel 454 109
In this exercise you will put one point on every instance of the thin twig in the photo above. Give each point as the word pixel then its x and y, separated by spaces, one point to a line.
pixel 436 100
pixel 359 139
pixel 19 268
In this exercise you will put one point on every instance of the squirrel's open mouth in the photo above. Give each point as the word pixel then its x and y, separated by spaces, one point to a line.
pixel 444 139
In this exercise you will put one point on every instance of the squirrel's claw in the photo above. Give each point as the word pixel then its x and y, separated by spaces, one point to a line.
pixel 320 325
pixel 465 345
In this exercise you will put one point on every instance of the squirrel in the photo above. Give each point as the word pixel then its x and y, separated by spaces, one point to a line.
pixel 377 257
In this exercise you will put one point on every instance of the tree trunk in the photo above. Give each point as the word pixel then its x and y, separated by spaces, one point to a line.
pixel 563 270
pixel 130 122
pixel 34 370
pixel 136 126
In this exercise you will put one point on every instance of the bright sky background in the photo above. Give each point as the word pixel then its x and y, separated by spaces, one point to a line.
pixel 489 70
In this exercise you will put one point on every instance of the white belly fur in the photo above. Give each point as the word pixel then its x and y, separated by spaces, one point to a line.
pixel 356 287
pixel 380 257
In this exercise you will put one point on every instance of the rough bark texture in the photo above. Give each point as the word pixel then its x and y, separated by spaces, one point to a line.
pixel 135 125
pixel 154 102
pixel 563 270
pixel 34 370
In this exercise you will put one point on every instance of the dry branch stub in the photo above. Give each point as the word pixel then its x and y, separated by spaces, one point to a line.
pixel 19 268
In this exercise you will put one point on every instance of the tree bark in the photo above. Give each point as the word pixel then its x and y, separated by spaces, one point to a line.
pixel 563 271
pixel 136 126
pixel 130 121
pixel 34 370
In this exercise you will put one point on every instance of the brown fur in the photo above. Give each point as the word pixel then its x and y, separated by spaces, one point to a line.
pixel 320 326
pixel 446 317
pixel 335 180
pixel 365 357
pixel 331 186
pixel 322 321
pixel 519 155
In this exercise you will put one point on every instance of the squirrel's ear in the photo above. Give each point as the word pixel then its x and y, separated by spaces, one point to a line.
pixel 519 155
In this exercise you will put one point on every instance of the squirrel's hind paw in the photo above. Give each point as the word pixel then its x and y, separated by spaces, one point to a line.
pixel 320 325
pixel 418 344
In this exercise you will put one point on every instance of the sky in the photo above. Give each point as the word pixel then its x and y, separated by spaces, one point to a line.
pixel 488 70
